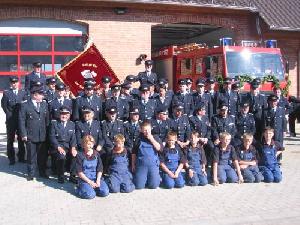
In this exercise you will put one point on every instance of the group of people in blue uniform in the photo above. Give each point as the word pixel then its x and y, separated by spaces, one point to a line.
pixel 120 138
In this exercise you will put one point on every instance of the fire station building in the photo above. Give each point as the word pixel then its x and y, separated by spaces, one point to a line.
pixel 54 32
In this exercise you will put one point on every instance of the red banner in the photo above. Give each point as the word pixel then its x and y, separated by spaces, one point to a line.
pixel 89 63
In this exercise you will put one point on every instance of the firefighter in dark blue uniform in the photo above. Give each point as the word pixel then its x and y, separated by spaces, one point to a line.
pixel 126 93
pixel 189 83
pixel 201 97
pixel 201 124
pixel 223 122
pixel 10 104
pixel 63 142
pixel 145 104
pixel 132 127
pixel 131 79
pixel 148 75
pixel 50 93
pixel 183 97
pixel 106 91
pixel 162 124
pixel 89 126
pixel 59 101
pixel 34 76
pixel 257 103
pixel 164 82
pixel 274 117
pixel 88 99
pixel 294 114
pixel 111 127
pixel 163 100
pixel 118 102
pixel 245 122
pixel 228 96
pixel 210 89
pixel 180 124
pixel 33 122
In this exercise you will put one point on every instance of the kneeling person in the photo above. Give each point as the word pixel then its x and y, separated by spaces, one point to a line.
pixel 269 150
pixel 120 178
pixel 196 162
pixel 224 156
pixel 171 163
pixel 89 169
pixel 248 160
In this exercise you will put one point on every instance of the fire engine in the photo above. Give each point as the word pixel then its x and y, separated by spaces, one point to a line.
pixel 198 61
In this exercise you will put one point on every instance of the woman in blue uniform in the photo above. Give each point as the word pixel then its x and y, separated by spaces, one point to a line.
pixel 196 162
pixel 119 177
pixel 89 169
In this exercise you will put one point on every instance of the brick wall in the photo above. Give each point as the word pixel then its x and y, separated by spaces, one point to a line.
pixel 122 38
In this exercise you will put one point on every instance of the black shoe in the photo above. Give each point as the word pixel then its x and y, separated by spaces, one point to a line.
pixel 22 161
pixel 73 180
pixel 12 163
pixel 61 180
pixel 44 175
pixel 29 178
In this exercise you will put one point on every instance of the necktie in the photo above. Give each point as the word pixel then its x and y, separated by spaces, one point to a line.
pixel 64 124
pixel 38 104
pixel 61 101
pixel 16 92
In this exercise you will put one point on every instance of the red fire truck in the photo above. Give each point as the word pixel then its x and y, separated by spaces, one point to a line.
pixel 195 61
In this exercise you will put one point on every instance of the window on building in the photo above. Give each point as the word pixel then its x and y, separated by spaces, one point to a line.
pixel 54 43
pixel 186 66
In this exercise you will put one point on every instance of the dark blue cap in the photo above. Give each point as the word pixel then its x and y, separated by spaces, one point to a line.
pixel 37 64
pixel 37 89
pixel 89 85
pixel 51 80
pixel 130 78
pixel 135 110
pixel 111 109
pixel 148 62
pixel 201 106
pixel 64 109
pixel 13 79
pixel 144 87
pixel 105 79
pixel 182 82
pixel 272 97
pixel 200 82
pixel 60 87
pixel 116 87
pixel 87 109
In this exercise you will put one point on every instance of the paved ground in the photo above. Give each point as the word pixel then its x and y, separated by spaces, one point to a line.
pixel 47 202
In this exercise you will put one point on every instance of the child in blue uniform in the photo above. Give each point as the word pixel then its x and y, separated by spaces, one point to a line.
pixel 269 150
pixel 120 178
pixel 89 169
pixel 247 156
pixel 171 163
pixel 224 156
pixel 145 161
pixel 196 162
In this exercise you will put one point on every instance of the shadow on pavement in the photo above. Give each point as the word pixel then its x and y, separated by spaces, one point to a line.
pixel 20 170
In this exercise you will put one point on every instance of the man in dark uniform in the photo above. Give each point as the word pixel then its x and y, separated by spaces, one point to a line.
pixel 245 123
pixel 164 82
pixel 50 93
pixel 189 83
pixel 59 101
pixel 200 97
pixel 88 99
pixel 180 124
pixel 294 114
pixel 258 103
pixel 106 91
pixel 63 142
pixel 200 123
pixel 163 99
pixel 162 124
pixel 210 89
pixel 33 122
pixel 126 93
pixel 145 105
pixel 223 122
pixel 118 102
pixel 10 104
pixel 35 75
pixel 229 97
pixel 89 126
pixel 132 129
pixel 131 79
pixel 274 117
pixel 183 97
pixel 111 127
pixel 148 75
